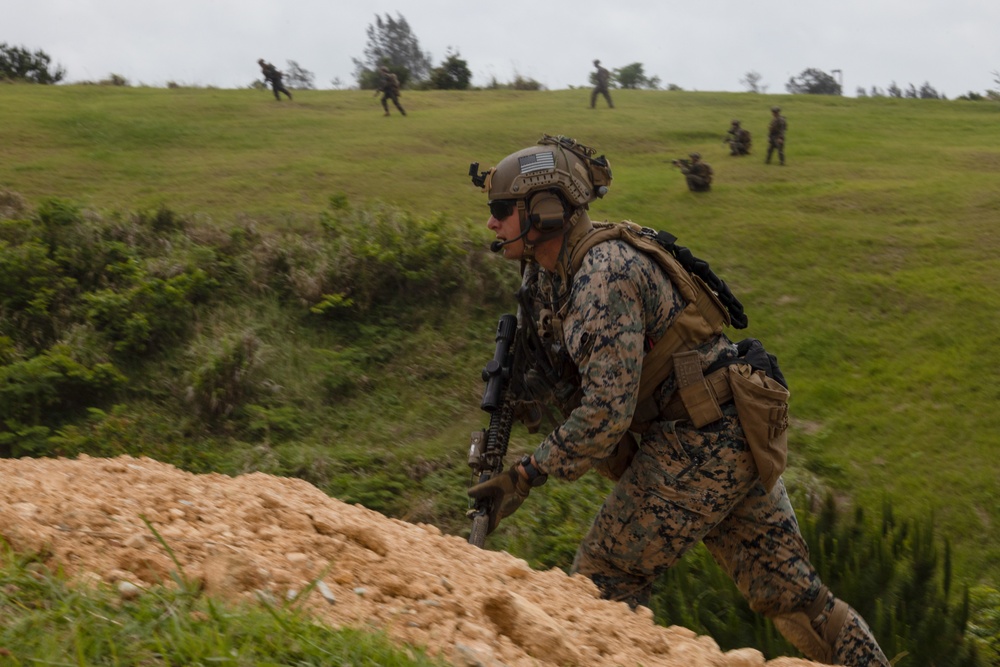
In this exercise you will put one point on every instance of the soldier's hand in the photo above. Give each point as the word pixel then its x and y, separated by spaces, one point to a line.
pixel 505 492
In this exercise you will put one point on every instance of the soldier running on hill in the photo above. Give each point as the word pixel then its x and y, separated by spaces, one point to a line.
pixel 603 79
pixel 273 76
pixel 620 340
pixel 390 90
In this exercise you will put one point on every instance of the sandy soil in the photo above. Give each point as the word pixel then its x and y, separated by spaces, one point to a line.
pixel 262 535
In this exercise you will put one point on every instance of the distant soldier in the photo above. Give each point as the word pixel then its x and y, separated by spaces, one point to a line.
pixel 776 135
pixel 273 76
pixel 697 173
pixel 738 139
pixel 603 78
pixel 389 87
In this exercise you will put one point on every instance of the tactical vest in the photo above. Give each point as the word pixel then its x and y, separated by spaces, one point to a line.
pixel 704 316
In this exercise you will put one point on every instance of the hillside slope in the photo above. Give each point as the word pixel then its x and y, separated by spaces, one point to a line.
pixel 259 534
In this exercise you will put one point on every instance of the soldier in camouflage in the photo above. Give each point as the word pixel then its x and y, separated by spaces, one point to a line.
pixel 738 138
pixel 776 136
pixel 389 87
pixel 698 174
pixel 598 315
pixel 602 79
pixel 273 76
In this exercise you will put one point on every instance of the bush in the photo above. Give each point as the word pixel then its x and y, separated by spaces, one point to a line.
pixel 19 64
pixel 226 380
pixel 128 294
pixel 46 388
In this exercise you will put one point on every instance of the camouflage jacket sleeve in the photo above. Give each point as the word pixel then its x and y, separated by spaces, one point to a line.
pixel 619 299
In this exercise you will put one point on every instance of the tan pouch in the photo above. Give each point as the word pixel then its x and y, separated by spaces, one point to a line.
pixel 762 406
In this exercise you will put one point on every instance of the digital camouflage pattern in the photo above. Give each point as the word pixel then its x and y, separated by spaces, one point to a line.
pixel 684 485
pixel 606 337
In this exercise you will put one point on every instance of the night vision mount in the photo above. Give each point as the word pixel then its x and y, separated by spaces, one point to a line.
pixel 478 177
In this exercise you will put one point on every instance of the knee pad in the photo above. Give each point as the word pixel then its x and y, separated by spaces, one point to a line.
pixel 797 627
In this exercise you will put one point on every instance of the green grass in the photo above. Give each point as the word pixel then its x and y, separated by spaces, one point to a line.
pixel 868 264
pixel 50 620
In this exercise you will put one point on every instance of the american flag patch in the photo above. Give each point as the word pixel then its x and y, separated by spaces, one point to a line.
pixel 537 162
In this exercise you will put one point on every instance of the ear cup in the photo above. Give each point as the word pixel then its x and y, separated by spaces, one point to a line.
pixel 545 212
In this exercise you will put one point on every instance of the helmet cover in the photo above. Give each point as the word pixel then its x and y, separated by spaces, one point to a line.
pixel 556 163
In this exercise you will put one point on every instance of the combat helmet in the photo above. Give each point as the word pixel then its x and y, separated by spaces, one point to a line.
pixel 556 164
pixel 776 109
pixel 550 185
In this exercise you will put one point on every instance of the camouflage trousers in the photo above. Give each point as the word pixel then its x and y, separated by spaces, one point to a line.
pixel 776 143
pixel 738 148
pixel 600 90
pixel 698 183
pixel 277 87
pixel 394 96
pixel 686 485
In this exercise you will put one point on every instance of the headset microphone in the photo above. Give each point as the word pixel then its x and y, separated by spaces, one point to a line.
pixel 497 246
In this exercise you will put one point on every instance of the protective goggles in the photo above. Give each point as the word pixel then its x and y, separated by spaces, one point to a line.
pixel 501 209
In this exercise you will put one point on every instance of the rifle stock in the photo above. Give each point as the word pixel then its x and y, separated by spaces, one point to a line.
pixel 487 448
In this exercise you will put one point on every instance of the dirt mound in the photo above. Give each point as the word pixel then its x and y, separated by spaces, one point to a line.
pixel 262 535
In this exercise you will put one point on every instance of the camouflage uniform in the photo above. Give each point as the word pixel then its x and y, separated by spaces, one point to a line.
pixel 776 135
pixel 603 78
pixel 273 76
pixel 738 139
pixel 390 90
pixel 698 174
pixel 684 485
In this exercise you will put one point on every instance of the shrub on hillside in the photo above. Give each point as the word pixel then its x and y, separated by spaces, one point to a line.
pixel 227 379
pixel 131 290
pixel 40 390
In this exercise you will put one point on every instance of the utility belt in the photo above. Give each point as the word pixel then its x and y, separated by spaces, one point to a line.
pixel 761 404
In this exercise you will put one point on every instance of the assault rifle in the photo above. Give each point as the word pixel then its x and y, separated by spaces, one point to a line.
pixel 487 448
pixel 682 164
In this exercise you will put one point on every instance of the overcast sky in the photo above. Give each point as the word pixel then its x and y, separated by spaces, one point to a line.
pixel 706 45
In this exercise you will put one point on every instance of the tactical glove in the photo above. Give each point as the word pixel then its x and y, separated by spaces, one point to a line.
pixel 505 492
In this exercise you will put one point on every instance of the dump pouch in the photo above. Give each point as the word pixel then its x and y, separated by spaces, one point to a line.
pixel 752 351
pixel 762 406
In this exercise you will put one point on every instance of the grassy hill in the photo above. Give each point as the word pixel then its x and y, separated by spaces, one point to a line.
pixel 868 265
